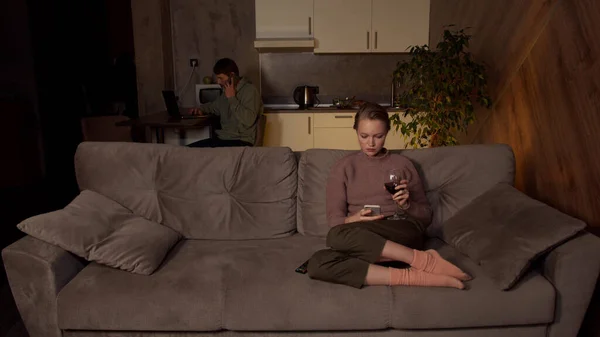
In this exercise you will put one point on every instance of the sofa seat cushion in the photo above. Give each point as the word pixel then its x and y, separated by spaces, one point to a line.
pixel 186 293
pixel 531 301
pixel 264 293
pixel 251 286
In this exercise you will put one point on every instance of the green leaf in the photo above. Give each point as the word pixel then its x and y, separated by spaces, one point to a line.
pixel 439 88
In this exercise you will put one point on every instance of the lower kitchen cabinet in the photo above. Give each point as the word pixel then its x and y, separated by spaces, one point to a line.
pixel 335 131
pixel 394 139
pixel 336 138
pixel 288 129
pixel 324 130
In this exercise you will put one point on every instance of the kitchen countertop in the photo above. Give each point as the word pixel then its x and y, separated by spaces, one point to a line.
pixel 319 109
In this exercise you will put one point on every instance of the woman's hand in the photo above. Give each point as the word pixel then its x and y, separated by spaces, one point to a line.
pixel 363 215
pixel 401 197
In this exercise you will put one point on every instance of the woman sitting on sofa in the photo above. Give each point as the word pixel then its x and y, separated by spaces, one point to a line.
pixel 359 240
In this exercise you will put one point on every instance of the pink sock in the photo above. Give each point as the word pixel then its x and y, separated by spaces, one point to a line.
pixel 414 277
pixel 430 261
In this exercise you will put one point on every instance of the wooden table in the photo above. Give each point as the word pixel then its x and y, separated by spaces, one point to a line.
pixel 160 121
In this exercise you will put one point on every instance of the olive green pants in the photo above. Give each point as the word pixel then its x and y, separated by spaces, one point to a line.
pixel 354 246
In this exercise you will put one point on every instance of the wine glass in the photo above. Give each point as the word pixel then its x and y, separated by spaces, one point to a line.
pixel 392 180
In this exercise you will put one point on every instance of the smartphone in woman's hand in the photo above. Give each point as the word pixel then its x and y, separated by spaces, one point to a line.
pixel 375 209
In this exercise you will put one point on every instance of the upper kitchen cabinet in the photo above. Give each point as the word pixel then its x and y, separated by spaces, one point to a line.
pixel 370 26
pixel 280 19
pixel 342 26
pixel 398 24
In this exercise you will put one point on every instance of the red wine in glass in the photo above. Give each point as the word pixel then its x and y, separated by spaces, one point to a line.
pixel 391 187
pixel 392 180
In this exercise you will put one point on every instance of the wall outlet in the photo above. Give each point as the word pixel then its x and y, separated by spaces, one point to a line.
pixel 193 62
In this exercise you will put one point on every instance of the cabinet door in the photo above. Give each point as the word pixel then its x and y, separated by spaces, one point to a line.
pixel 395 139
pixel 398 24
pixel 343 26
pixel 336 138
pixel 293 130
pixel 284 18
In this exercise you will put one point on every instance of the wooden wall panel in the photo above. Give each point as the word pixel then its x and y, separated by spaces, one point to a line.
pixel 550 114
pixel 503 34
pixel 545 79
pixel 503 31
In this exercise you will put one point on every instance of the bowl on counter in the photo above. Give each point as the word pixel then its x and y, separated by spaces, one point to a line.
pixel 347 103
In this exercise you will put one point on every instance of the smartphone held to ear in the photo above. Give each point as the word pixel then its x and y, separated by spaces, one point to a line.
pixel 233 79
pixel 375 209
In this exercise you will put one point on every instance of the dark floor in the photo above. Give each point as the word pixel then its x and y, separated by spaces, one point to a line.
pixel 10 321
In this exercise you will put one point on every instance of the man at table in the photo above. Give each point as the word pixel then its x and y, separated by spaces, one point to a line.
pixel 238 108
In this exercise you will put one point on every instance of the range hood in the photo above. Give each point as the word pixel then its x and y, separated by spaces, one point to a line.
pixel 268 45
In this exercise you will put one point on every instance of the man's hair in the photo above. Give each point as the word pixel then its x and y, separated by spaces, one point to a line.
pixel 372 111
pixel 226 66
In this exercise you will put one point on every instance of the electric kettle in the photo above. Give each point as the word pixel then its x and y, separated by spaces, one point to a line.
pixel 306 96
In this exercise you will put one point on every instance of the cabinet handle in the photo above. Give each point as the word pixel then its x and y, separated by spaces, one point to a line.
pixel 309 125
pixel 375 39
pixel 367 40
pixel 344 116
pixel 309 26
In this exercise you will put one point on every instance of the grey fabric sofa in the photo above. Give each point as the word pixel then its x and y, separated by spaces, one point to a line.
pixel 250 216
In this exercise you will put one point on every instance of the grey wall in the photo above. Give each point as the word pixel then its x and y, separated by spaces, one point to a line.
pixel 153 52
pixel 212 29
pixel 366 76
pixel 209 30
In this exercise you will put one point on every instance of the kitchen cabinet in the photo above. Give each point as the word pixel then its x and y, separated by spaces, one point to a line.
pixel 370 26
pixel 398 24
pixel 284 19
pixel 342 26
pixel 335 131
pixel 336 138
pixel 293 130
pixel 324 130
pixel 395 140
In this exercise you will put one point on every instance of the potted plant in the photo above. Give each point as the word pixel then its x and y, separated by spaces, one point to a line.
pixel 438 88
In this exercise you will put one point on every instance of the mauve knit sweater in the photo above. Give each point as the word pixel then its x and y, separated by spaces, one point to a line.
pixel 357 180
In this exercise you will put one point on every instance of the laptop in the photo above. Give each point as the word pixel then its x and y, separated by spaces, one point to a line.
pixel 173 107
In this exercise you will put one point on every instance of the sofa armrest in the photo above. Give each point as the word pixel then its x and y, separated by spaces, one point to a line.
pixel 573 269
pixel 37 271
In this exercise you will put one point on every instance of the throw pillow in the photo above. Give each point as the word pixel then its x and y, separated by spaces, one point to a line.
pixel 101 230
pixel 504 231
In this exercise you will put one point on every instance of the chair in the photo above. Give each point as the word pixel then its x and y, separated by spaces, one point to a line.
pixel 103 129
pixel 260 130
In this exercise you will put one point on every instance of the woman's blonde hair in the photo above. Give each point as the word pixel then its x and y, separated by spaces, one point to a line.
pixel 372 111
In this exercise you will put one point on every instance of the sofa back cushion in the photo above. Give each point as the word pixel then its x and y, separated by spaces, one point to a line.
pixel 452 177
pixel 220 193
